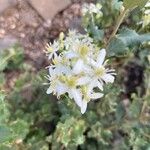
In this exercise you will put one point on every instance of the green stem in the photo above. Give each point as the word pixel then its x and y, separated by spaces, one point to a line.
pixel 119 21
pixel 6 59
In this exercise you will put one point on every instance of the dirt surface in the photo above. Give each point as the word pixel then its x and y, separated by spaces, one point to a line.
pixel 24 24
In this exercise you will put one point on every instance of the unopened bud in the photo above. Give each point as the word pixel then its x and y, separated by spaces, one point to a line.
pixel 122 9
pixel 61 36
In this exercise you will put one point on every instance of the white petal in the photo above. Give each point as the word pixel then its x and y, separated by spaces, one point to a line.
pixel 51 70
pixel 96 95
pixel 147 4
pixel 49 90
pixel 100 85
pixel 70 55
pixel 111 70
pixel 101 57
pixel 83 80
pixel 92 62
pixel 108 78
pixel 88 69
pixel 93 84
pixel 83 107
pixel 78 66
pixel 61 89
pixel 55 54
pixel 77 96
pixel 62 69
pixel 50 56
pixel 66 70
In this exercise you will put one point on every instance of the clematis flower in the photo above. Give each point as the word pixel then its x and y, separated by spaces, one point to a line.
pixel 98 71
pixel 67 84
pixel 91 8
pixel 88 94
pixel 52 49
pixel 78 69
pixel 146 16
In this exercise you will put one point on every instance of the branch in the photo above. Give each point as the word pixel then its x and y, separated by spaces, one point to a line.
pixel 119 21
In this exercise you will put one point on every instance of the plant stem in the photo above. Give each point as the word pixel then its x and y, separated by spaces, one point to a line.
pixel 119 21
pixel 6 59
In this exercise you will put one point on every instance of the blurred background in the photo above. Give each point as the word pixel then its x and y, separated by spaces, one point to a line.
pixel 32 120
pixel 33 23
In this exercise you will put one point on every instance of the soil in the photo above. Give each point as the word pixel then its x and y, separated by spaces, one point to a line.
pixel 23 23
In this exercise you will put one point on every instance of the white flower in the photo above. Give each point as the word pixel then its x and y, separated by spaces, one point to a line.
pixel 52 49
pixel 91 8
pixel 78 70
pixel 146 16
pixel 99 73
pixel 147 4
pixel 88 94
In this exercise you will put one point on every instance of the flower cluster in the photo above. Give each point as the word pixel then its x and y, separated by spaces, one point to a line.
pixel 78 68
pixel 91 9
pixel 146 17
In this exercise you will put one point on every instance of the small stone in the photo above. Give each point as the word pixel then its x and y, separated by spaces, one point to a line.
pixel 4 4
pixel 7 42
pixel 18 141
pixel 49 8
pixel 76 24
pixel 47 24
pixel 2 33
pixel 2 19
pixel 126 102
pixel 12 26
pixel 22 35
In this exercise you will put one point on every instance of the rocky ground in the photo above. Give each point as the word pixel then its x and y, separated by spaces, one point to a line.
pixel 24 23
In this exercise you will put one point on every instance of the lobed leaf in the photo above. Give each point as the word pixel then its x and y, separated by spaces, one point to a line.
pixel 126 40
pixel 129 4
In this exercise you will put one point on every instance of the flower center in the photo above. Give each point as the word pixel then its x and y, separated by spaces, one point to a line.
pixel 83 50
pixel 100 71
pixel 85 93
pixel 55 61
pixel 69 81
pixel 49 48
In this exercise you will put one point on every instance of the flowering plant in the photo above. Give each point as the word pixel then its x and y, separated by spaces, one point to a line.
pixel 78 64
pixel 78 69
pixel 106 69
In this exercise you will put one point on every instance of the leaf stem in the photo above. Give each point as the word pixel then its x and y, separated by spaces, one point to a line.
pixel 119 21
pixel 6 59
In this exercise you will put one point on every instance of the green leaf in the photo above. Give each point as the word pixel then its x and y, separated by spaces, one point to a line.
pixel 129 4
pixel 126 40
pixel 70 132
pixel 120 112
pixel 5 134
pixel 17 59
pixel 2 79
pixel 135 108
pixel 6 147
pixel 116 4
pixel 131 37
pixel 4 112
pixel 96 33
pixel 20 129
pixel 101 134
pixel 3 63
pixel 116 47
